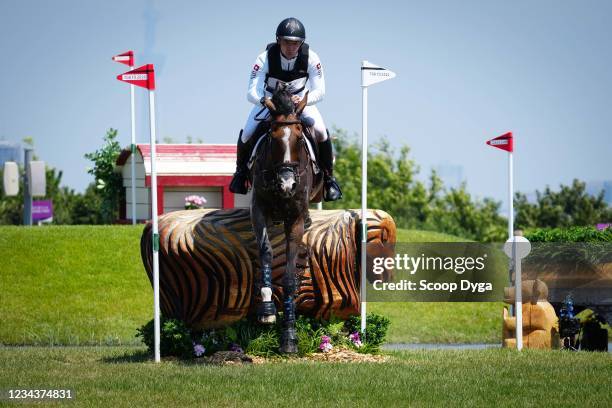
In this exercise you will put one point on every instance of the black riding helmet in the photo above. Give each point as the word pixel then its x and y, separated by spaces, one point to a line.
pixel 291 29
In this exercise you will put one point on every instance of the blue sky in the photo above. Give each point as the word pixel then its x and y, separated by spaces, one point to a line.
pixel 466 72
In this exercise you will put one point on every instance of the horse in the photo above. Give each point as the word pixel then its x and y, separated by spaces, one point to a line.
pixel 283 177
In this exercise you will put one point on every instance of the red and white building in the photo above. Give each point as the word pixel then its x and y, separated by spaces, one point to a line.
pixel 182 170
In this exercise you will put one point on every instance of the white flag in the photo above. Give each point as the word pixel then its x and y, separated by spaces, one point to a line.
pixel 373 74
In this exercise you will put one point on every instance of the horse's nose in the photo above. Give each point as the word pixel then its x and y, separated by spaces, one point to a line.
pixel 287 185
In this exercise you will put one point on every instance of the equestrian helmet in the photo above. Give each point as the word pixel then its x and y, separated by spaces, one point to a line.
pixel 291 29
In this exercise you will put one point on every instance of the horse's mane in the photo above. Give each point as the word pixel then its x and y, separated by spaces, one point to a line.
pixel 282 101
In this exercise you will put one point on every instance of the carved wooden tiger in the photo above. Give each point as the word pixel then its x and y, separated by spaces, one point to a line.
pixel 208 261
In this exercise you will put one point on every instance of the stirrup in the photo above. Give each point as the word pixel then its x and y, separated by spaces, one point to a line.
pixel 332 190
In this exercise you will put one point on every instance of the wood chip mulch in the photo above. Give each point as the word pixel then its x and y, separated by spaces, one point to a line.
pixel 335 355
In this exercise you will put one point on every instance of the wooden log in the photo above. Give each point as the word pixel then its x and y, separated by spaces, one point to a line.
pixel 209 264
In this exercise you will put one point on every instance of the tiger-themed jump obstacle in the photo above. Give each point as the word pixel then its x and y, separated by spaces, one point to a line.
pixel 209 264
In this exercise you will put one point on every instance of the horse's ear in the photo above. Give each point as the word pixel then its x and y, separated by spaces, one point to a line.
pixel 268 104
pixel 302 104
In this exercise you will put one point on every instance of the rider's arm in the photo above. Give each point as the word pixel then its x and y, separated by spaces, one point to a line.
pixel 315 79
pixel 257 79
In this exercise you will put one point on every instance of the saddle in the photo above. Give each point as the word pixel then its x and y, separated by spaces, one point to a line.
pixel 308 131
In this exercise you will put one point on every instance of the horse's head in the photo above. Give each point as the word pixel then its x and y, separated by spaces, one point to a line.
pixel 285 138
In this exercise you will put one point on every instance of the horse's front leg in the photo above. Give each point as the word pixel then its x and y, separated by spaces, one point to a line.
pixel 294 231
pixel 266 311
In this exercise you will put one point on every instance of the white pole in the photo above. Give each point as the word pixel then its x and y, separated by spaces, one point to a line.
pixel 510 198
pixel 133 148
pixel 518 305
pixel 511 221
pixel 364 202
pixel 518 300
pixel 155 231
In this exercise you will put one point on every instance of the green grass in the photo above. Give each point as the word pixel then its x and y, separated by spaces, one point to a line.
pixel 72 285
pixel 120 376
pixel 85 285
pixel 426 322
pixel 441 322
pixel 410 235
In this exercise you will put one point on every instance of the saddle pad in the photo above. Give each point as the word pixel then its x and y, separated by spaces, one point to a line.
pixel 308 148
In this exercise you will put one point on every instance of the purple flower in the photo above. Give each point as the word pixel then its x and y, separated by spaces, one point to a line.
pixel 198 350
pixel 325 345
pixel 235 347
pixel 355 339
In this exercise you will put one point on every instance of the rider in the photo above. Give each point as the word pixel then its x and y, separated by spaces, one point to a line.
pixel 288 61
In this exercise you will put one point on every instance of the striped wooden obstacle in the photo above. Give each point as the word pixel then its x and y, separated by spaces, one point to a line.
pixel 208 263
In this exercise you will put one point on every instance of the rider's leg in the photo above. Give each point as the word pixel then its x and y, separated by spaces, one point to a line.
pixel 238 184
pixel 326 157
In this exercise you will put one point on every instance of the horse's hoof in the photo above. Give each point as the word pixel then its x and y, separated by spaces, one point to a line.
pixel 267 319
pixel 266 313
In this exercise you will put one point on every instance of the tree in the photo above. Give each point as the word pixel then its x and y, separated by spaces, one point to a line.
pixel 63 198
pixel 11 208
pixel 568 207
pixel 393 186
pixel 457 213
pixel 108 182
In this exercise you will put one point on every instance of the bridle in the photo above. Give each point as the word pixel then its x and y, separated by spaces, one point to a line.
pixel 285 122
pixel 271 177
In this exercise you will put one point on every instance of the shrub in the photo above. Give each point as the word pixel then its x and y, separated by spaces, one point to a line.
pixel 572 234
pixel 255 339
pixel 376 329
pixel 175 338
pixel 574 247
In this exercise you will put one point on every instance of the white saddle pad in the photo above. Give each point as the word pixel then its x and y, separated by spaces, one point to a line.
pixel 308 146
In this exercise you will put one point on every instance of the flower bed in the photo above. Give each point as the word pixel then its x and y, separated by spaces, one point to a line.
pixel 334 338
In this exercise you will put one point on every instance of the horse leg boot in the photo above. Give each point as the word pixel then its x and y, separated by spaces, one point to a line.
pixel 289 340
pixel 238 184
pixel 294 231
pixel 266 311
pixel 332 190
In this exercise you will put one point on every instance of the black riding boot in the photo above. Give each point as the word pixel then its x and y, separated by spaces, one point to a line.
pixel 326 162
pixel 238 184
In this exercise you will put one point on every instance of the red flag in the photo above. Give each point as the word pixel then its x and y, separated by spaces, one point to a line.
pixel 143 76
pixel 504 142
pixel 126 58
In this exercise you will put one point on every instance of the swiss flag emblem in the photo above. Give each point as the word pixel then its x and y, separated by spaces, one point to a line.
pixel 142 76
pixel 504 142
pixel 126 58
